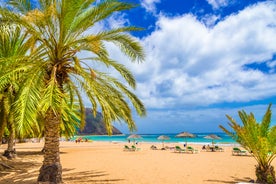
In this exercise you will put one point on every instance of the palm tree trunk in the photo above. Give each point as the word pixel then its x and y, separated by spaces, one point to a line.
pixel 3 120
pixel 51 170
pixel 10 152
pixel 265 174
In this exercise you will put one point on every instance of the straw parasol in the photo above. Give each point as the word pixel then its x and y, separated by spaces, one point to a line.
pixel 212 137
pixel 134 137
pixel 186 135
pixel 163 138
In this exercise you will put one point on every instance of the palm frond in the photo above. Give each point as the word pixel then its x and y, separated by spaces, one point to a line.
pixel 89 16
pixel 264 126
pixel 52 97
pixel 22 6
pixel 27 102
pixel 111 101
pixel 75 93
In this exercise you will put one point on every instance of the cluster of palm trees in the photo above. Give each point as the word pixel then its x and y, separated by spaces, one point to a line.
pixel 43 76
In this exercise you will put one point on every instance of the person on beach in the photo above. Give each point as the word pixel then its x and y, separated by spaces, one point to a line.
pixel 78 140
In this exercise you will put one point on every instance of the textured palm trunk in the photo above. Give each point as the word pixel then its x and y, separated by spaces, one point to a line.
pixel 10 152
pixel 3 120
pixel 51 170
pixel 265 174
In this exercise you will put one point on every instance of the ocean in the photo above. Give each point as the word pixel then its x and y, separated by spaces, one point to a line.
pixel 152 138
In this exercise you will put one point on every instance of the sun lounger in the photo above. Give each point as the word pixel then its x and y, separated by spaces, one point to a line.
pixel 191 150
pixel 238 151
pixel 177 149
pixel 217 148
pixel 126 148
pixel 135 148
pixel 132 148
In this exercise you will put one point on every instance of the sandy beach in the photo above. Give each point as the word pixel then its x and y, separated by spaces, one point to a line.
pixel 107 162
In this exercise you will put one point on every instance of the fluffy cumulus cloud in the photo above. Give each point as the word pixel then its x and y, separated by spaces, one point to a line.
pixel 189 64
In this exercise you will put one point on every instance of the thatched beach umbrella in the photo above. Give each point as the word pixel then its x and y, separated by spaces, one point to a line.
pixel 134 137
pixel 163 138
pixel 212 137
pixel 186 135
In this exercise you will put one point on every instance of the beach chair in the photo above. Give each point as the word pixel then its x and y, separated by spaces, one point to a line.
pixel 126 148
pixel 238 151
pixel 191 150
pixel 134 148
pixel 217 148
pixel 177 149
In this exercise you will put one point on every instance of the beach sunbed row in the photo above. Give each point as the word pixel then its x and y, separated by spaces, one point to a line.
pixel 189 149
pixel 132 148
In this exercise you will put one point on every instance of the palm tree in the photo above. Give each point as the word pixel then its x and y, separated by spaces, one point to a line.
pixel 13 45
pixel 258 139
pixel 61 29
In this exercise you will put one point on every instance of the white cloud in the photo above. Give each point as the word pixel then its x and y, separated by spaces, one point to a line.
pixel 216 4
pixel 149 5
pixel 190 64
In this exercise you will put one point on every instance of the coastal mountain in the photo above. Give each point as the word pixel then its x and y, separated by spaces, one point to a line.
pixel 95 125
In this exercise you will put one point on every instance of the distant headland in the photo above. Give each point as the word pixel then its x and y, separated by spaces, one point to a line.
pixel 95 125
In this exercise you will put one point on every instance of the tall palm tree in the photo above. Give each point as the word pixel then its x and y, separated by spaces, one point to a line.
pixel 62 29
pixel 13 44
pixel 258 139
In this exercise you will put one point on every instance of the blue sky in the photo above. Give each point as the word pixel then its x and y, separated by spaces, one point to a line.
pixel 204 59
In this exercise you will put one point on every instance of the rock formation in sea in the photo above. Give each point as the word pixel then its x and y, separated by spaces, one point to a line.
pixel 95 125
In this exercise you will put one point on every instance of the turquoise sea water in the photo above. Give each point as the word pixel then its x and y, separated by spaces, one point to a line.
pixel 199 139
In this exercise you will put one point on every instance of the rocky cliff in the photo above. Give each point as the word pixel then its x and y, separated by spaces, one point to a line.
pixel 95 125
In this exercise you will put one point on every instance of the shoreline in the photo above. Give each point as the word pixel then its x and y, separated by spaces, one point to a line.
pixel 152 138
pixel 158 142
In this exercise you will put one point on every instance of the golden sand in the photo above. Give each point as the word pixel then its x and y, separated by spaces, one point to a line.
pixel 107 162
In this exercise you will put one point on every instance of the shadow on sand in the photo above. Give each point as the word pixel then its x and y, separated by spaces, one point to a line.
pixel 26 167
pixel 94 176
pixel 234 180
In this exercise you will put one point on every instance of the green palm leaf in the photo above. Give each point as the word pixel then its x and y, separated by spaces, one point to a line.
pixel 259 139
